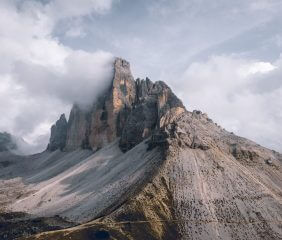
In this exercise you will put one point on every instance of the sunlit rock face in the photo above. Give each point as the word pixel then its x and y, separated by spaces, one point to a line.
pixel 101 123
pixel 130 110
pixel 110 112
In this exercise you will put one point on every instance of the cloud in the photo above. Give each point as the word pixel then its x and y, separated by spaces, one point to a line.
pixel 39 76
pixel 267 83
pixel 75 32
pixel 262 5
pixel 46 45
pixel 244 96
pixel 22 113
pixel 80 79
pixel 60 9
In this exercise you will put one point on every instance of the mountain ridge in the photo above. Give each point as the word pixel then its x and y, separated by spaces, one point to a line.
pixel 113 114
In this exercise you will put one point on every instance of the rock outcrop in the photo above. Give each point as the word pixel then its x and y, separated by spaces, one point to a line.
pixel 110 112
pixel 154 106
pixel 130 110
pixel 58 134
pixel 103 122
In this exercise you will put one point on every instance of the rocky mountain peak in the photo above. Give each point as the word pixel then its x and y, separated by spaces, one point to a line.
pixel 190 178
pixel 130 110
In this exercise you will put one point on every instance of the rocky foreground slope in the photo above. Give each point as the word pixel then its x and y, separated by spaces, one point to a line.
pixel 137 165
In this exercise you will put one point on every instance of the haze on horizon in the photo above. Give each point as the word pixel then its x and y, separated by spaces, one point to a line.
pixel 221 57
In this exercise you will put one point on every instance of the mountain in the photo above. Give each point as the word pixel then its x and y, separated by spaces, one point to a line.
pixel 137 165
pixel 129 110
pixel 6 142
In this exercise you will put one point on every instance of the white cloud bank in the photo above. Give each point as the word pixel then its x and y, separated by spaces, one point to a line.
pixel 40 77
pixel 244 96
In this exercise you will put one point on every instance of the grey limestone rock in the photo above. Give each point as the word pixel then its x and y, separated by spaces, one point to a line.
pixel 58 134
pixel 128 109
pixel 154 102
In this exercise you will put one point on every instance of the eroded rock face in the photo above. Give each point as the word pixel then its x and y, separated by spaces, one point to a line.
pixel 58 134
pixel 154 106
pixel 128 109
pixel 103 122
pixel 110 112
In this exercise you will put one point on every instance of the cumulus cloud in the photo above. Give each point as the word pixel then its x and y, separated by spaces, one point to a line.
pixel 244 96
pixel 39 76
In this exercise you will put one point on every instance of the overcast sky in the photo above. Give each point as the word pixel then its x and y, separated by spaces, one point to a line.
pixel 222 57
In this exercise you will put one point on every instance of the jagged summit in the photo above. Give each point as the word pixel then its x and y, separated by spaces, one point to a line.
pixel 130 110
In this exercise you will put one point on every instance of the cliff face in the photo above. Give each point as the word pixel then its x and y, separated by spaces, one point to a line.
pixel 109 113
pixel 154 105
pixel 129 110
pixel 58 134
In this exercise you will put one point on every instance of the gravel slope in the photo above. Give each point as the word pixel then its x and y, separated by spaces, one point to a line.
pixel 79 185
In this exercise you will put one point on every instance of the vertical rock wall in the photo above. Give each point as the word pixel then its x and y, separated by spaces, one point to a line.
pixel 128 109
pixel 58 134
